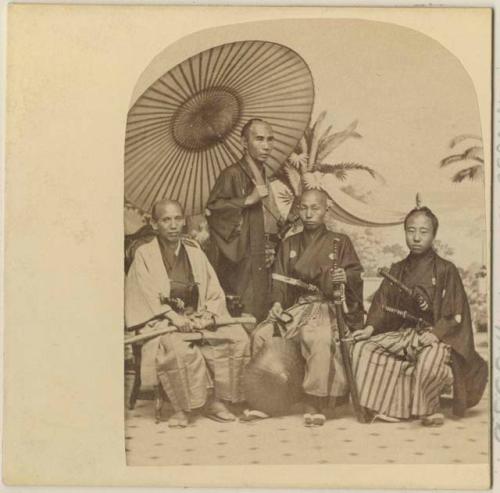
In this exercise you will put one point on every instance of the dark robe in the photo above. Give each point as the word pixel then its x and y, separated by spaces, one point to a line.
pixel 238 231
pixel 180 272
pixel 308 257
pixel 449 315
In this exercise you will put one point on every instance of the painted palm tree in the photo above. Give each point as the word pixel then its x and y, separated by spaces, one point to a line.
pixel 308 164
pixel 472 156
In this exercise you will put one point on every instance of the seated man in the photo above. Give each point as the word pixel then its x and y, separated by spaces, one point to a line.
pixel 401 370
pixel 168 269
pixel 308 257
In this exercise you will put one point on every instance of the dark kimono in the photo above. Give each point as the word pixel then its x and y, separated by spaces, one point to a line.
pixel 309 258
pixel 439 282
pixel 238 231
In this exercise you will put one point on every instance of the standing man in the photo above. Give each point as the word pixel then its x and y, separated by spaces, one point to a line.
pixel 308 257
pixel 168 278
pixel 243 219
pixel 401 371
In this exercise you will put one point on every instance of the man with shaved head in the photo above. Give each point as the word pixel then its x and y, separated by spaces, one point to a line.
pixel 243 219
pixel 308 257
pixel 169 278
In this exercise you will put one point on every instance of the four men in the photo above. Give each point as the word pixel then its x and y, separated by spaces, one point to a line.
pixel 412 347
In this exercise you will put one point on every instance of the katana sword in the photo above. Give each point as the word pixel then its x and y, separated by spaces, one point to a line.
pixel 196 335
pixel 295 282
pixel 421 324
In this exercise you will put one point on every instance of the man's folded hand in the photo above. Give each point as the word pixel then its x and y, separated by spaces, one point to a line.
pixel 181 322
pixel 276 311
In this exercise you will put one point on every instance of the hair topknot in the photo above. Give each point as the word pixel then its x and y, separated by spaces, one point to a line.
pixel 427 213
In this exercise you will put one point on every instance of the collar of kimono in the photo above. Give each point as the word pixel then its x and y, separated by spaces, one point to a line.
pixel 415 259
pixel 167 245
pixel 257 173
pixel 158 267
pixel 313 235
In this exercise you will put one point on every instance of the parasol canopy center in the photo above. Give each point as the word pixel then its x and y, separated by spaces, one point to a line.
pixel 206 118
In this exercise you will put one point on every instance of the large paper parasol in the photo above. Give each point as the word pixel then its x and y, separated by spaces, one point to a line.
pixel 185 128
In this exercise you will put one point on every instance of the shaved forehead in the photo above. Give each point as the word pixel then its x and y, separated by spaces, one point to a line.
pixel 256 125
pixel 162 205
pixel 318 196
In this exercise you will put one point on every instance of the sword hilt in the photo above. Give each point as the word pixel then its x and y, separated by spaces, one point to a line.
pixel 338 287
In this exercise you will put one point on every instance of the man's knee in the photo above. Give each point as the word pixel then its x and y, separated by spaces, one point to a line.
pixel 314 337
pixel 240 341
pixel 175 348
pixel 260 335
pixel 431 358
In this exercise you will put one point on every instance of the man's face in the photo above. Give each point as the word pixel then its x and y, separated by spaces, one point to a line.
pixel 312 210
pixel 419 233
pixel 169 222
pixel 259 142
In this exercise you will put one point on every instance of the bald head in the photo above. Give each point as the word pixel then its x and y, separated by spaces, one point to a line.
pixel 312 209
pixel 319 196
pixel 257 140
pixel 168 220
pixel 160 206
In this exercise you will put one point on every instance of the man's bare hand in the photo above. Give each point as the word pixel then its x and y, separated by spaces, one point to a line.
pixel 253 198
pixel 203 320
pixel 257 194
pixel 428 339
pixel 270 255
pixel 262 190
pixel 362 334
pixel 276 311
pixel 181 322
pixel 339 275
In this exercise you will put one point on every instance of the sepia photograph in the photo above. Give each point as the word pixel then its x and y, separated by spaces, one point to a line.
pixel 306 250
pixel 249 247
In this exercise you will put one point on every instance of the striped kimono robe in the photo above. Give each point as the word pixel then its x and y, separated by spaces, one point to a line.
pixel 185 370
pixel 308 257
pixel 399 377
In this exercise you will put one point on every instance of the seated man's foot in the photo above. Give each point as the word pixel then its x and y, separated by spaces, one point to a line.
pixel 178 420
pixel 318 419
pixel 253 415
pixel 436 419
pixel 218 411
pixel 312 416
pixel 382 417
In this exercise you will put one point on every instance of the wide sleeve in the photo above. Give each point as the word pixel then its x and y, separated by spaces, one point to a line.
pixel 377 317
pixel 349 260
pixel 280 289
pixel 142 299
pixel 353 268
pixel 453 325
pixel 226 207
pixel 215 299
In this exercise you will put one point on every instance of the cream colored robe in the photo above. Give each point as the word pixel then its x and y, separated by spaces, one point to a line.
pixel 147 280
